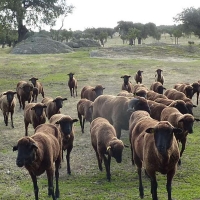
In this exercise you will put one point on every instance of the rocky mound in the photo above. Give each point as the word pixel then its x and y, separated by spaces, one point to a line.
pixel 83 43
pixel 40 45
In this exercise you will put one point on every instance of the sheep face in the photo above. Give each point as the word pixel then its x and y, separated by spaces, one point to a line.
pixel 88 114
pixel 160 89
pixel 163 136
pixel 39 109
pixel 159 71
pixel 189 92
pixel 126 79
pixel 59 102
pixel 139 73
pixel 98 90
pixel 26 152
pixel 181 106
pixel 10 96
pixel 33 81
pixel 66 126
pixel 71 75
pixel 115 150
pixel 27 88
pixel 187 123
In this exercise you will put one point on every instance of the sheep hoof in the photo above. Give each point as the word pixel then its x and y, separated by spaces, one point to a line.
pixel 179 162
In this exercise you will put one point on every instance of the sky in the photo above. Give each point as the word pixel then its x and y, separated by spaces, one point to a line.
pixel 106 13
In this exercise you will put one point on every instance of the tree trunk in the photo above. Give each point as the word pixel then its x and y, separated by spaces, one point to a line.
pixel 22 30
pixel 139 40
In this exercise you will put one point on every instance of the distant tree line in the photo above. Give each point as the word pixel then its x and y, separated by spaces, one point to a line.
pixel 13 21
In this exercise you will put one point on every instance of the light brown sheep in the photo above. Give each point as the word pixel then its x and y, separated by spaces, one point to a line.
pixel 53 105
pixel 84 110
pixel 65 125
pixel 127 85
pixel 140 90
pixel 159 77
pixel 72 84
pixel 157 87
pixel 117 110
pixel 24 92
pixel 91 93
pixel 7 105
pixel 155 148
pixel 38 154
pixel 104 141
pixel 185 88
pixel 151 95
pixel 34 114
pixel 176 95
pixel 37 85
pixel 125 93
pixel 138 76
pixel 182 121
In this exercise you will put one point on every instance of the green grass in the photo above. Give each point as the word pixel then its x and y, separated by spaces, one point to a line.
pixel 86 181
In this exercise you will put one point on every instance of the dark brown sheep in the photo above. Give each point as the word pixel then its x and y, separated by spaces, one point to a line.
pixel 185 88
pixel 35 94
pixel 117 110
pixel 155 148
pixel 34 114
pixel 104 141
pixel 159 77
pixel 65 125
pixel 37 85
pixel 7 105
pixel 91 93
pixel 24 93
pixel 140 90
pixel 138 76
pixel 127 85
pixel 84 110
pixel 182 121
pixel 157 87
pixel 196 89
pixel 38 154
pixel 53 105
pixel 176 95
pixel 151 95
pixel 72 84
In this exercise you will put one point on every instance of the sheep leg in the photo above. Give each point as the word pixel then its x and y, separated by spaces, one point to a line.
pixel 50 183
pixel 81 123
pixel 68 159
pixel 20 104
pixel 107 166
pixel 26 128
pixel 5 118
pixel 141 189
pixel 11 117
pixel 35 186
pixel 183 142
pixel 170 176
pixel 99 159
pixel 57 166
pixel 197 97
pixel 154 186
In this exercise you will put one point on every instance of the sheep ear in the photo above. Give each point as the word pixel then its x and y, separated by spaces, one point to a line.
pixel 33 145
pixel 33 108
pixel 122 76
pixel 44 106
pixel 196 119
pixel 164 88
pixel 75 120
pixel 58 122
pixel 194 106
pixel 15 148
pixel 64 99
pixel 103 88
pixel 150 130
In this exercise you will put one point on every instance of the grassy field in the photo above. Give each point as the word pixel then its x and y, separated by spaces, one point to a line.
pixel 86 181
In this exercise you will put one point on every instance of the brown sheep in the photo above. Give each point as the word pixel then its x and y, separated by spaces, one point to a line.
pixel 178 104
pixel 35 94
pixel 140 90
pixel 7 105
pixel 24 92
pixel 182 121
pixel 138 76
pixel 91 93
pixel 117 110
pixel 38 154
pixel 157 87
pixel 53 105
pixel 72 83
pixel 64 123
pixel 104 141
pixel 185 88
pixel 159 77
pixel 176 95
pixel 84 110
pixel 127 85
pixel 196 89
pixel 37 85
pixel 155 148
pixel 125 93
pixel 151 95
pixel 34 114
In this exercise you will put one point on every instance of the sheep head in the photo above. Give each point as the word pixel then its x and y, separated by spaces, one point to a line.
pixel 59 101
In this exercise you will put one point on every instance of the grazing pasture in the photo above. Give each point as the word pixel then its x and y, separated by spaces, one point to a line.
pixel 86 181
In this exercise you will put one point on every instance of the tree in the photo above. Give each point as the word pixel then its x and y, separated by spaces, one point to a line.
pixel 177 34
pixel 22 13
pixel 132 35
pixel 190 17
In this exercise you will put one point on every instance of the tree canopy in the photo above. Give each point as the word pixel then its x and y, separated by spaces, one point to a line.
pixel 190 18
pixel 35 13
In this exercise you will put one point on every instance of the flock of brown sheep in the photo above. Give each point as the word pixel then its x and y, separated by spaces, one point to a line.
pixel 157 122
